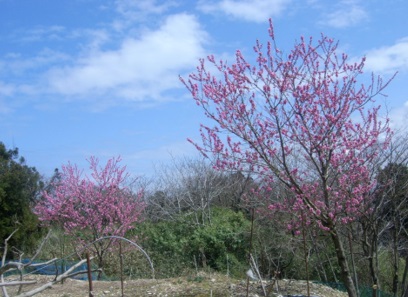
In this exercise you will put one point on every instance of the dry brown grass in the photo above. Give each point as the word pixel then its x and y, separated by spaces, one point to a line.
pixel 197 285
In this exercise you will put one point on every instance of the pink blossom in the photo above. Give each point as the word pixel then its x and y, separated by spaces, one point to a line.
pixel 97 205
pixel 300 118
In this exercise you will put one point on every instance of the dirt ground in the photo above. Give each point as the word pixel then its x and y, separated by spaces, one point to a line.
pixel 204 285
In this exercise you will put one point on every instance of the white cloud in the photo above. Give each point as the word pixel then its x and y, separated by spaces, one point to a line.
pixel 18 64
pixel 127 7
pixel 139 11
pixel 399 118
pixel 248 10
pixel 166 152
pixel 347 14
pixel 41 33
pixel 138 69
pixel 6 90
pixel 389 59
pixel 143 162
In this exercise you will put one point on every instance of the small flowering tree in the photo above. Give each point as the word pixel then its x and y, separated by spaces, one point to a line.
pixel 90 207
pixel 300 119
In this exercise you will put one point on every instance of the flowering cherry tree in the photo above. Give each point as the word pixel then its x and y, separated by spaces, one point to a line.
pixel 301 119
pixel 94 206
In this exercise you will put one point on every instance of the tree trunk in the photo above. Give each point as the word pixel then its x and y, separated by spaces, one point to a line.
pixel 370 247
pixel 342 261
pixel 372 265
pixel 373 276
pixel 306 255
pixel 353 262
pixel 404 277
pixel 319 258
pixel 395 252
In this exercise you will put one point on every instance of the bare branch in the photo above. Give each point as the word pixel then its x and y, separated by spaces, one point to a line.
pixel 17 283
pixel 59 278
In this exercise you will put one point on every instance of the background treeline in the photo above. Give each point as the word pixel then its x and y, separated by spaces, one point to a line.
pixel 197 218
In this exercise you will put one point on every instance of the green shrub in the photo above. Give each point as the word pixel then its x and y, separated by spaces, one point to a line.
pixel 174 246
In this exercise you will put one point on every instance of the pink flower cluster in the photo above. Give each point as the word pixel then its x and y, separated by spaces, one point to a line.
pixel 97 205
pixel 301 119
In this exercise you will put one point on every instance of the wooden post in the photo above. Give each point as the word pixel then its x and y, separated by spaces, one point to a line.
pixel 250 247
pixel 121 267
pixel 306 254
pixel 88 263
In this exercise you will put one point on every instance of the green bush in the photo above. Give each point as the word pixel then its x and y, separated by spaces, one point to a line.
pixel 174 246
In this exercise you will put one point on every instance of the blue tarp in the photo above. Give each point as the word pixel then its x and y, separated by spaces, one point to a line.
pixel 365 291
pixel 55 268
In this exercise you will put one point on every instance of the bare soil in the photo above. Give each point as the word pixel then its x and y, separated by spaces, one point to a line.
pixel 201 285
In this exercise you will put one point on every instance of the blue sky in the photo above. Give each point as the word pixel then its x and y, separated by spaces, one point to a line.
pixel 91 77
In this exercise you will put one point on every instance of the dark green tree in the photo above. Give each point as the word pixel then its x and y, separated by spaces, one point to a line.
pixel 20 187
pixel 393 181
